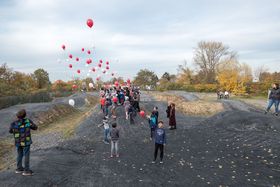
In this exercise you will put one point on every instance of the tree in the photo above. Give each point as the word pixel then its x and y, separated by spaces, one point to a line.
pixel 145 78
pixel 208 55
pixel 259 71
pixel 234 77
pixel 185 74
pixel 42 78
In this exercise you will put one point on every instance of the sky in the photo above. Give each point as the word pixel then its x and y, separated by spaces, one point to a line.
pixel 134 34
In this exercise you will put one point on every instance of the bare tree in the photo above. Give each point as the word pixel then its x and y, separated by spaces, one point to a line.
pixel 207 57
pixel 259 71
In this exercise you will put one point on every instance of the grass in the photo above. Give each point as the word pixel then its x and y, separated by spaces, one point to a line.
pixel 199 108
pixel 6 148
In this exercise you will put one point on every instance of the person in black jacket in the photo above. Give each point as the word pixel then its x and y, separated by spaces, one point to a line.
pixel 273 98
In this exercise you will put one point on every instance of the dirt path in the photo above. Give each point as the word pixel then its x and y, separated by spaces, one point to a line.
pixel 233 148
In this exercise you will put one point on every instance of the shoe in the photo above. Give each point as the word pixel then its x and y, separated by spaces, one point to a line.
pixel 111 156
pixel 153 162
pixel 117 155
pixel 151 139
pixel 276 114
pixel 21 170
pixel 105 142
pixel 27 173
pixel 265 112
pixel 161 162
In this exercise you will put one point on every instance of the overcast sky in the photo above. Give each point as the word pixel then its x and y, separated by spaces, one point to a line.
pixel 134 34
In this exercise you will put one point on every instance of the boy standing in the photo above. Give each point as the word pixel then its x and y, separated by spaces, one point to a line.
pixel 106 126
pixel 160 141
pixel 153 123
pixel 114 140
pixel 21 130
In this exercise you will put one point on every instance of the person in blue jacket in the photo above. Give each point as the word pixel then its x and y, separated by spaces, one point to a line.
pixel 160 141
pixel 153 124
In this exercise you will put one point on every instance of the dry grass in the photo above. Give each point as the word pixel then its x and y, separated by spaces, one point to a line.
pixel 200 107
pixel 6 148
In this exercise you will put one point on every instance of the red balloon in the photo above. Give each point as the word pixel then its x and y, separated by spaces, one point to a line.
pixel 70 56
pixel 128 81
pixel 83 49
pixel 97 78
pixel 107 67
pixel 77 59
pixel 88 52
pixel 63 47
pixel 104 71
pixel 89 61
pixel 107 63
pixel 142 113
pixel 78 71
pixel 115 99
pixel 70 66
pixel 74 86
pixel 89 23
pixel 99 65
pixel 116 83
pixel 93 69
pixel 100 61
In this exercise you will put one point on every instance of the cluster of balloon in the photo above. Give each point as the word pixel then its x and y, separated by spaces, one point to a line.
pixel 142 113
pixel 74 63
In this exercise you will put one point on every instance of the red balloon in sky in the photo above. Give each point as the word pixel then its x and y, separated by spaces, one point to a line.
pixel 63 47
pixel 88 52
pixel 99 65
pixel 93 69
pixel 100 61
pixel 70 56
pixel 78 71
pixel 89 23
pixel 83 49
pixel 70 66
pixel 89 61
pixel 97 78
pixel 107 63
pixel 107 67
pixel 77 59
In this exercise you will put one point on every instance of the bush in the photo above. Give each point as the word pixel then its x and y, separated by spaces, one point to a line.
pixel 38 97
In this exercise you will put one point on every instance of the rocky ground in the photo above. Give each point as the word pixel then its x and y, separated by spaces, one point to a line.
pixel 237 147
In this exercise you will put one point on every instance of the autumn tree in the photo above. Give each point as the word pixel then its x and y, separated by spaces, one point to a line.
pixel 185 74
pixel 233 76
pixel 42 78
pixel 208 55
pixel 145 78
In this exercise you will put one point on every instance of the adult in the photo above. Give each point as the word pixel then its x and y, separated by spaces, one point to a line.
pixel 172 117
pixel 273 98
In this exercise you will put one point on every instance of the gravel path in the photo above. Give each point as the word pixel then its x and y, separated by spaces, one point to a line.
pixel 233 148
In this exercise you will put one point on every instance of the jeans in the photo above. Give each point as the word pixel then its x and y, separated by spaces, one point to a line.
pixel 106 133
pixel 23 152
pixel 276 104
pixel 114 147
pixel 152 132
pixel 160 147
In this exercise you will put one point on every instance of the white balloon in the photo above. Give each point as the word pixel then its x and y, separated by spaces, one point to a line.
pixel 71 102
pixel 90 85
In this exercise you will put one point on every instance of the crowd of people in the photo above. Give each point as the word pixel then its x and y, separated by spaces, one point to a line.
pixel 128 98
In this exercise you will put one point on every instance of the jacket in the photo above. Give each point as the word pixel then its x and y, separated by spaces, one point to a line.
pixel 22 131
pixel 274 94
pixel 160 137
pixel 114 134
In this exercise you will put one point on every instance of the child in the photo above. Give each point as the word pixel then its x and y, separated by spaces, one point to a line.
pixel 102 103
pixel 153 124
pixel 114 140
pixel 156 113
pixel 160 141
pixel 106 126
pixel 21 130
pixel 126 107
